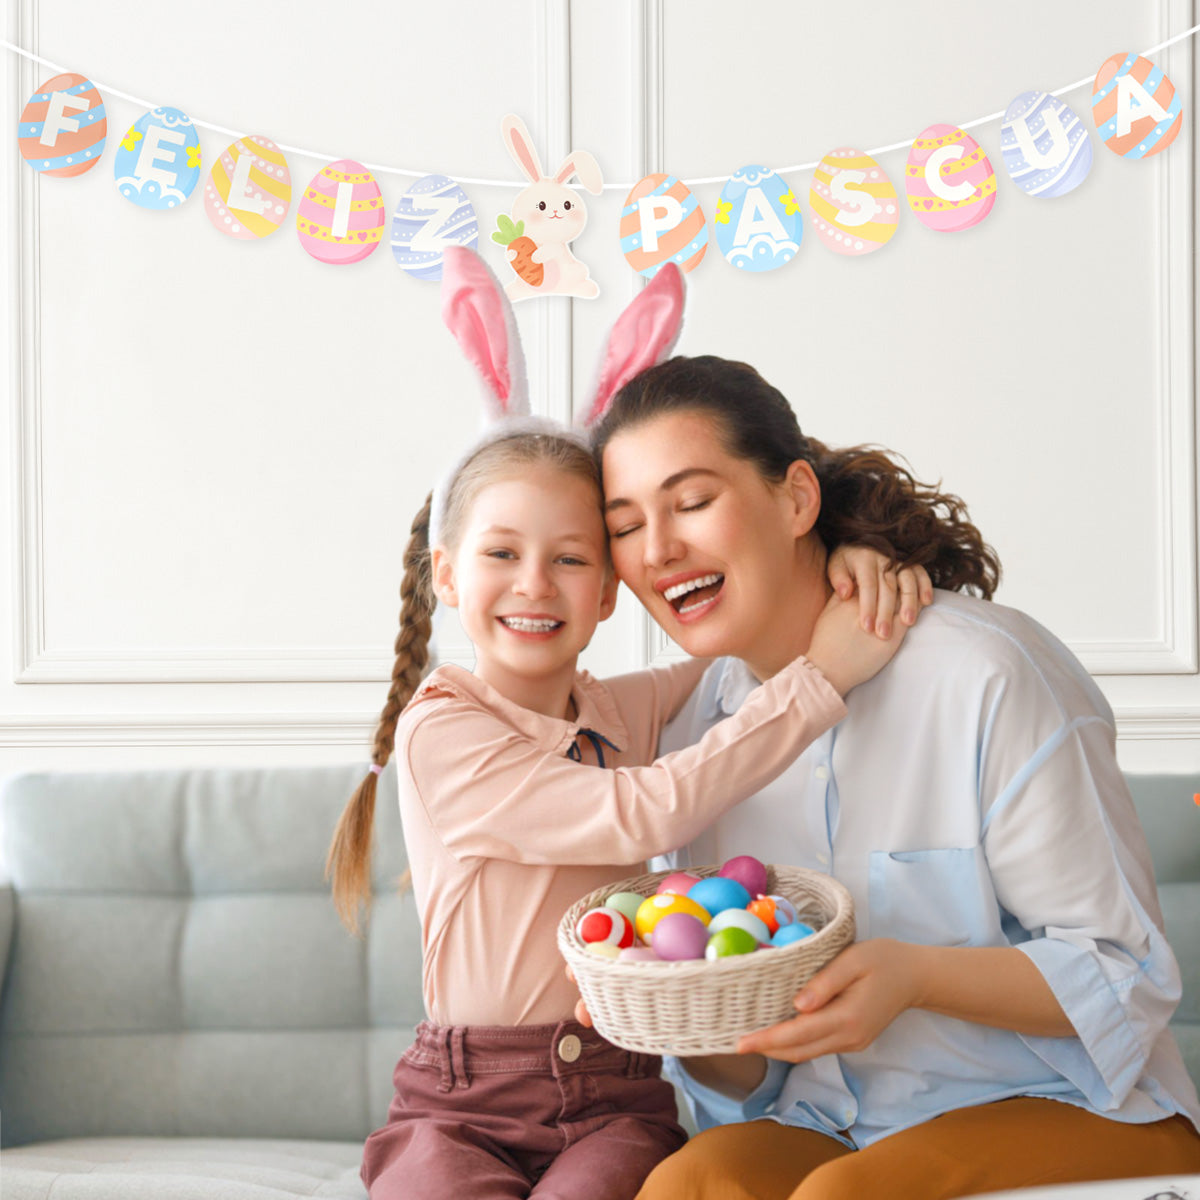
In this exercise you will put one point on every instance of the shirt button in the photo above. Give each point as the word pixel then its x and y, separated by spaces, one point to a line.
pixel 570 1048
pixel 822 772
pixel 770 1107
pixel 823 859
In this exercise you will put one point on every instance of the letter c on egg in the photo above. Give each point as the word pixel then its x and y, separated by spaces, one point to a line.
pixel 954 192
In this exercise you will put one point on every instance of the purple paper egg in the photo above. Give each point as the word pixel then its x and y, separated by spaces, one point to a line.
pixel 748 871
pixel 680 936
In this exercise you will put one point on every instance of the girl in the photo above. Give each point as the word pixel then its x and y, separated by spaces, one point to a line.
pixel 502 1093
pixel 1014 982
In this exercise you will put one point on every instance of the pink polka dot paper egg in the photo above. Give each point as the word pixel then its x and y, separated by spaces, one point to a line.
pixel 855 208
pixel 606 925
pixel 63 126
pixel 249 189
pixel 950 182
pixel 341 216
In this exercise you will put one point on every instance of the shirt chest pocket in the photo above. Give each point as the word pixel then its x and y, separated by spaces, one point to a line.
pixel 933 897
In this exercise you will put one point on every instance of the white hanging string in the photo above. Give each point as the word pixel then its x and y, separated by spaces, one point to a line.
pixel 383 168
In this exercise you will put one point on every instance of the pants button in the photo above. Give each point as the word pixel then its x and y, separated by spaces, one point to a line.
pixel 570 1048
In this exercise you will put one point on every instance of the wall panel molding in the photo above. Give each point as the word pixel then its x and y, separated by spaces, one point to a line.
pixel 35 658
pixel 1174 648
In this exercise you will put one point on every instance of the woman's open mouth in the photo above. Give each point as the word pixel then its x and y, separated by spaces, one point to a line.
pixel 694 596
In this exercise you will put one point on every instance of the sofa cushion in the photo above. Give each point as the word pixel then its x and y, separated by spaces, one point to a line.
pixel 182 1168
pixel 178 969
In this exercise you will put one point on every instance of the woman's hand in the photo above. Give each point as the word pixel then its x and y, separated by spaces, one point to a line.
pixel 846 1005
pixel 882 590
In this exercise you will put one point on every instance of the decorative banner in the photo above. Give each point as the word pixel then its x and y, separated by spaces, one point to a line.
pixel 1046 148
pixel 340 218
pixel 249 189
pixel 63 127
pixel 545 217
pixel 1135 106
pixel 434 213
pixel 662 221
pixel 950 182
pixel 759 224
pixel 855 208
pixel 158 161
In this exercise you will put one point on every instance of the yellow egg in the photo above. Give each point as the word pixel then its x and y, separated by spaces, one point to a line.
pixel 654 908
pixel 603 950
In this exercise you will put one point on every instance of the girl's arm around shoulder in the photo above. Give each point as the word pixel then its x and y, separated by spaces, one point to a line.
pixel 648 699
pixel 494 790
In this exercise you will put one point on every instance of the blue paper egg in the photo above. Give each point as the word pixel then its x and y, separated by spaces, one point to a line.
pixel 1045 145
pixel 158 160
pixel 758 221
pixel 717 893
pixel 434 213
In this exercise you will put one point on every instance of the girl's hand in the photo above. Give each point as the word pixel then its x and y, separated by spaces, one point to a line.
pixel 846 1005
pixel 845 654
pixel 881 589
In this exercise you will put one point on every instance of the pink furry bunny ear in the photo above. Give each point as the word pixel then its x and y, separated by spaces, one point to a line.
pixel 479 314
pixel 644 334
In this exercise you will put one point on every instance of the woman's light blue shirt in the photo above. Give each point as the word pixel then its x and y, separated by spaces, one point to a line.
pixel 971 797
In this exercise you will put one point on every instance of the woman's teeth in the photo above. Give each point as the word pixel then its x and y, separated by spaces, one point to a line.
pixel 525 625
pixel 672 594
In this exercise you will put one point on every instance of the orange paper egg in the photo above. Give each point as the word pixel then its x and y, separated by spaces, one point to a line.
pixel 662 222
pixel 63 127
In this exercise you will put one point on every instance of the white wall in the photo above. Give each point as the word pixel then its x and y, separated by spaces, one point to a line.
pixel 216 447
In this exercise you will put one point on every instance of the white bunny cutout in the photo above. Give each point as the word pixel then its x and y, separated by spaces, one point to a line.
pixel 548 216
pixel 477 311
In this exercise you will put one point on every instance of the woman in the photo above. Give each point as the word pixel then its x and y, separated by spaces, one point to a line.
pixel 1012 981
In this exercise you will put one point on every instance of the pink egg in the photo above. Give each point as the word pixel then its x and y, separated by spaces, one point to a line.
pixel 950 182
pixel 259 169
pixel 639 954
pixel 680 936
pixel 341 216
pixel 747 871
pixel 680 883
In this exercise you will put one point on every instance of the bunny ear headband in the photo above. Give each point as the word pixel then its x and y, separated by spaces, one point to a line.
pixel 480 316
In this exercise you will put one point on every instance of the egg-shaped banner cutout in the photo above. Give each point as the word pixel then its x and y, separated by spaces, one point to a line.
pixel 158 161
pixel 1045 146
pixel 855 208
pixel 63 127
pixel 249 189
pixel 662 222
pixel 758 222
pixel 1135 106
pixel 434 213
pixel 341 215
pixel 950 182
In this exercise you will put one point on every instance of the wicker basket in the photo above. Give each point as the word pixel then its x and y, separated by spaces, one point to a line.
pixel 703 1007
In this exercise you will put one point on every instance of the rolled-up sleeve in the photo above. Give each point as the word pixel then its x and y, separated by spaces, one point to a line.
pixel 710 1108
pixel 1070 863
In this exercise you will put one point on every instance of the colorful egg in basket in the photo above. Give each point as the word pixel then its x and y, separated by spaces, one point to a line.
pixel 704 1007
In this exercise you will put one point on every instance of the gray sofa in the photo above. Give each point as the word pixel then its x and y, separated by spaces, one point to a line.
pixel 182 1014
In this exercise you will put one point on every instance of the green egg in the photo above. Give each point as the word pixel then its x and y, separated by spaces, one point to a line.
pixel 626 902
pixel 730 941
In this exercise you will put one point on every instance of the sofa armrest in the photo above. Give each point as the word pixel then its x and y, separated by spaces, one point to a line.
pixel 8 915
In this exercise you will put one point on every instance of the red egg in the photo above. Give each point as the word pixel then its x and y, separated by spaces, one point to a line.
pixel 606 926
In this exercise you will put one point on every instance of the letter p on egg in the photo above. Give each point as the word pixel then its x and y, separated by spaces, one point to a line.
pixel 657 214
